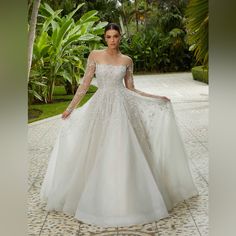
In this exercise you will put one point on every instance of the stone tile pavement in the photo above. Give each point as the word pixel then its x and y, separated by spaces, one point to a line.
pixel 189 218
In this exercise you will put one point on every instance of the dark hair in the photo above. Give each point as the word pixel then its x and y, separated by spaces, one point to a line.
pixel 112 26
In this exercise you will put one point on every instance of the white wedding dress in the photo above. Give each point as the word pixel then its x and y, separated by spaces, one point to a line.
pixel 119 159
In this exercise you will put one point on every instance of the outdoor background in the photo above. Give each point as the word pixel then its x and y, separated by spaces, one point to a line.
pixel 160 36
pixel 13 91
pixel 168 42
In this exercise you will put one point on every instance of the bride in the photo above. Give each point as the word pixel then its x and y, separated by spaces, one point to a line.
pixel 118 160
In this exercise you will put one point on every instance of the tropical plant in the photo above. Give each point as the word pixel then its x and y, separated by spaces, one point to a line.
pixel 197 26
pixel 161 46
pixel 107 9
pixel 60 47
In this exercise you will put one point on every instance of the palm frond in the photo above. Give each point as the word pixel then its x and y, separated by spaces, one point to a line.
pixel 197 27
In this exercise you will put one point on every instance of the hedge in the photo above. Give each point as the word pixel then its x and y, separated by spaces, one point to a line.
pixel 200 73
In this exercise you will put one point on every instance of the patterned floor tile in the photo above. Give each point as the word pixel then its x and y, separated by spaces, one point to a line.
pixel 88 229
pixel 60 224
pixel 134 233
pixel 204 230
pixel 200 218
pixel 142 230
pixel 177 226
pixel 165 227
pixel 201 185
pixel 188 218
pixel 36 219
pixel 36 165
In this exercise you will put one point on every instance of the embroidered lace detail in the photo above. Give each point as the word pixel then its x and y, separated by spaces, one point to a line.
pixel 83 88
pixel 129 81
pixel 113 101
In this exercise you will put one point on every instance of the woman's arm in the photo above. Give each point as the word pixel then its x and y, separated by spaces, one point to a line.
pixel 83 88
pixel 129 83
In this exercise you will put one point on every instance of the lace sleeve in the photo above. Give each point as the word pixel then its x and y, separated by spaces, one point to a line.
pixel 129 82
pixel 83 88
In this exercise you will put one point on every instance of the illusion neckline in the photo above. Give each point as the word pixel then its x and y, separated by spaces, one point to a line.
pixel 106 64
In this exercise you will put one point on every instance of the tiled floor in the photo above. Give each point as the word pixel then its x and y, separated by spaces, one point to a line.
pixel 189 218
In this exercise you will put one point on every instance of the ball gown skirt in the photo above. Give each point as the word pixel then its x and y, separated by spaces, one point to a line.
pixel 118 160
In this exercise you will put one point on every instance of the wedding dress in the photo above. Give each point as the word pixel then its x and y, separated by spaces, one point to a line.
pixel 119 159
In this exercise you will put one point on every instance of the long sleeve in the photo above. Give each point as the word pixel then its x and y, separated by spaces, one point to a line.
pixel 129 82
pixel 83 88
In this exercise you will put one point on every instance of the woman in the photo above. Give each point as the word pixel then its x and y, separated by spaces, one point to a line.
pixel 119 159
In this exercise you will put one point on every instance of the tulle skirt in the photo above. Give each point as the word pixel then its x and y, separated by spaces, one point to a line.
pixel 118 160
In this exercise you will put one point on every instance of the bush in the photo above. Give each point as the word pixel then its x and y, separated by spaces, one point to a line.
pixel 200 73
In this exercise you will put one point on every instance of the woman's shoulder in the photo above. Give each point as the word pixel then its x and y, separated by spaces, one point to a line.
pixel 97 50
pixel 95 53
pixel 127 60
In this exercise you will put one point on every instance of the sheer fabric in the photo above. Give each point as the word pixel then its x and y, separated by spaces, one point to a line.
pixel 84 86
pixel 88 76
pixel 118 160
pixel 129 81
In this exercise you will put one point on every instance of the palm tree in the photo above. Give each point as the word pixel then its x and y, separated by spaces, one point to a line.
pixel 32 28
pixel 197 27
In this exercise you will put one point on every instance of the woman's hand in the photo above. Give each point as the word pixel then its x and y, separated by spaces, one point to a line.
pixel 161 97
pixel 165 98
pixel 65 114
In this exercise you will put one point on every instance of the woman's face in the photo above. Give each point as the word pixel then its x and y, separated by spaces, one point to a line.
pixel 112 38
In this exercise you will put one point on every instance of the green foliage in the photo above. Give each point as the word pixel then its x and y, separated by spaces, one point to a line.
pixel 66 35
pixel 107 10
pixel 161 45
pixel 197 25
pixel 41 111
pixel 200 73
pixel 60 48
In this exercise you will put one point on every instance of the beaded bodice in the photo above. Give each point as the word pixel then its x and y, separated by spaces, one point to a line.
pixel 110 76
